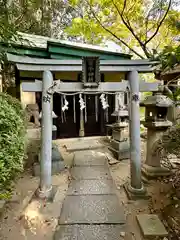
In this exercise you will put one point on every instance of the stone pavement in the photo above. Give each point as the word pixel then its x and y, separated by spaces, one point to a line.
pixel 91 209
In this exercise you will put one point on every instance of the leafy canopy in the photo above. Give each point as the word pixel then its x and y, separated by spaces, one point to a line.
pixel 138 26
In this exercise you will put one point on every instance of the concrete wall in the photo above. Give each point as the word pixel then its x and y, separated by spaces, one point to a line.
pixel 113 77
pixel 27 97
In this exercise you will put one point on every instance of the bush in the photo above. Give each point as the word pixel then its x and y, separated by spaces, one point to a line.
pixel 12 142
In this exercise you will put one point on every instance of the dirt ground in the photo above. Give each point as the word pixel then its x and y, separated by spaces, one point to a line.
pixel 163 200
pixel 39 219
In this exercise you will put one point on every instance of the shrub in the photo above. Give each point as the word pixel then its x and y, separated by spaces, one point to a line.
pixel 12 141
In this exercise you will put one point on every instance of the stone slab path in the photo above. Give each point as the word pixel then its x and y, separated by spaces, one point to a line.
pixel 91 209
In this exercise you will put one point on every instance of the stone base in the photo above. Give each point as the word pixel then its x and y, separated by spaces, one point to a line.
pixel 120 145
pixel 121 150
pixel 47 194
pixel 155 172
pixel 120 155
pixel 135 194
pixel 57 167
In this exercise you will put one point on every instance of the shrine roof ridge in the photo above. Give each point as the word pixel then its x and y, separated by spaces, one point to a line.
pixel 42 42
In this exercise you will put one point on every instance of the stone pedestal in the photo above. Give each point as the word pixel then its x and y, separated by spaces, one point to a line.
pixel 153 150
pixel 152 167
pixel 120 144
pixel 151 172
pixel 57 163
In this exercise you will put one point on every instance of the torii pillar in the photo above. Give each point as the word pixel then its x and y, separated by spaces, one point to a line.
pixel 45 187
pixel 135 188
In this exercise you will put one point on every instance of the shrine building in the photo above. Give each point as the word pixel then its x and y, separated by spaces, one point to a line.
pixel 65 58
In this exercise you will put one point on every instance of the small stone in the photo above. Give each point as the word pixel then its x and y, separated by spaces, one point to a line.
pixel 176 206
pixel 151 225
pixel 175 198
pixel 122 234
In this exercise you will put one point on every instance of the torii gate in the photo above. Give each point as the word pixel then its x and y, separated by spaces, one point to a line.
pixel 48 87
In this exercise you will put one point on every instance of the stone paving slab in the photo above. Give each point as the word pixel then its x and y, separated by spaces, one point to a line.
pixel 84 145
pixel 93 172
pixel 92 209
pixel 89 158
pixel 89 187
pixel 151 226
pixel 90 232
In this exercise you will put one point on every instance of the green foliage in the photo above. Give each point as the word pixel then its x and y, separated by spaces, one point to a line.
pixel 12 141
pixel 138 26
pixel 40 17
pixel 171 140
pixel 169 57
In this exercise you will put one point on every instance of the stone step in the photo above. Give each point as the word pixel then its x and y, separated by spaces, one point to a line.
pixel 84 145
pixel 90 187
pixel 90 232
pixel 93 172
pixel 89 158
pixel 91 209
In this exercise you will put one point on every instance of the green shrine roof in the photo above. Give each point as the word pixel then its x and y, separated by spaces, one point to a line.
pixel 45 47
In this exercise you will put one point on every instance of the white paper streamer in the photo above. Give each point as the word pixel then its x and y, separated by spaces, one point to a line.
pixel 81 101
pixel 105 105
pixel 66 103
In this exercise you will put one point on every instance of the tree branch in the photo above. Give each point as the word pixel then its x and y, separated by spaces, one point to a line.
pixel 128 25
pixel 160 23
pixel 114 35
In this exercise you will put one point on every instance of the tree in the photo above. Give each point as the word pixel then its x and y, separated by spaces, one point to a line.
pixel 139 26
pixel 40 17
pixel 43 17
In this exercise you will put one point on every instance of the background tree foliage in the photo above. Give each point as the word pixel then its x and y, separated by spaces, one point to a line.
pixel 43 17
pixel 169 57
pixel 138 26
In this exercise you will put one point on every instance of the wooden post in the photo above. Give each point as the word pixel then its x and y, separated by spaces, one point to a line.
pixel 81 129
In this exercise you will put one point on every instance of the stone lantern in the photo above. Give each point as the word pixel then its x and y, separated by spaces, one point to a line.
pixel 119 142
pixel 156 122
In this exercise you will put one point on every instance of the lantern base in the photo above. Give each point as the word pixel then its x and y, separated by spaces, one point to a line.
pixel 151 172
pixel 57 164
pixel 121 150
